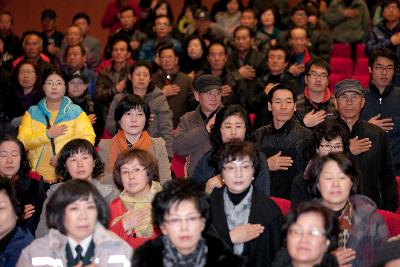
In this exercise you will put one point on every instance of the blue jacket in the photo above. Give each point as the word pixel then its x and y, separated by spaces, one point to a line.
pixel 10 256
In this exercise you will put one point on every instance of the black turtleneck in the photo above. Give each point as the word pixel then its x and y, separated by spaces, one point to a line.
pixel 237 198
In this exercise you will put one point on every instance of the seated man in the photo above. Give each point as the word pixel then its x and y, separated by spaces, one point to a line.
pixel 162 29
pixel 369 145
pixel 12 43
pixel 112 80
pixel 284 141
pixel 261 41
pixel 175 85
pixel 316 103
pixel 90 43
pixel 192 135
pixel 52 39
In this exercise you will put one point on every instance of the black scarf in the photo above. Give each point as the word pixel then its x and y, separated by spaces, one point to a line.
pixel 172 258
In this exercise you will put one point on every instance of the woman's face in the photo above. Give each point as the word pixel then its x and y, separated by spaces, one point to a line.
pixel 183 226
pixel 238 174
pixel 8 218
pixel 80 218
pixel 162 10
pixel 334 186
pixel 80 166
pixel 268 18
pixel 326 147
pixel 76 87
pixel 54 88
pixel 232 6
pixel 141 78
pixel 133 121
pixel 194 49
pixel 10 159
pixel 233 127
pixel 306 240
pixel 134 178
pixel 27 76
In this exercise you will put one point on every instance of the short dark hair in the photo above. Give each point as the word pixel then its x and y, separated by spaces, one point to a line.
pixel 385 3
pixel 298 27
pixel 222 114
pixel 145 158
pixel 159 17
pixel 83 50
pixel 345 165
pixel 7 187
pixel 383 52
pixel 331 225
pixel 68 193
pixel 133 67
pixel 187 42
pixel 25 166
pixel 243 27
pixel 119 38
pixel 128 102
pixel 318 62
pixel 238 149
pixel 170 14
pixel 165 46
pixel 73 147
pixel 281 86
pixel 174 193
pixel 81 15
pixel 37 86
pixel 279 46
pixel 127 8
pixel 216 43
pixel 299 7
pixel 249 10
pixel 50 71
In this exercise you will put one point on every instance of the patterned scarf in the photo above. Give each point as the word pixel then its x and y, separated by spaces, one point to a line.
pixel 237 215
pixel 172 258
pixel 136 203
pixel 345 222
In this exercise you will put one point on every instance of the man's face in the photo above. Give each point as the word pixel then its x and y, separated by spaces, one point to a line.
pixel 282 106
pixel 162 27
pixel 382 72
pixel 317 79
pixel 48 24
pixel 202 25
pixel 276 61
pixel 127 20
pixel 168 60
pixel 5 23
pixel 217 57
pixel 120 53
pixel 299 18
pixel 298 40
pixel 74 36
pixel 83 24
pixel 243 40
pixel 75 58
pixel 32 47
pixel 209 101
pixel 248 19
pixel 391 13
pixel 349 105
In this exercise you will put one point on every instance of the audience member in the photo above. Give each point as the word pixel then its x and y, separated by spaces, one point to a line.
pixel 191 138
pixel 268 26
pixel 11 42
pixel 369 145
pixel 284 141
pixel 52 39
pixel 110 18
pixel 236 215
pixel 193 56
pixel 136 175
pixel 186 20
pixel 229 17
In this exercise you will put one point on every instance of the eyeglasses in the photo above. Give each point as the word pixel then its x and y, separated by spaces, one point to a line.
pixel 129 173
pixel 212 93
pixel 247 167
pixel 351 98
pixel 165 58
pixel 162 25
pixel 313 232
pixel 388 68
pixel 178 221
pixel 315 75
pixel 54 83
pixel 336 148
pixel 230 127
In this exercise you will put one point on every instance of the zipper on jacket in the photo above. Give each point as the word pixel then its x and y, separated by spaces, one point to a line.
pixel 380 101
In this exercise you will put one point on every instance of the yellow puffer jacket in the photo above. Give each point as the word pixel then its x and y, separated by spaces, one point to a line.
pixel 33 129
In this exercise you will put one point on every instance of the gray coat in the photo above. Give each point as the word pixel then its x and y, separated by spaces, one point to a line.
pixel 50 250
pixel 107 191
pixel 161 126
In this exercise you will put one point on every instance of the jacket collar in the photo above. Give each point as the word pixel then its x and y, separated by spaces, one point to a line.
pixel 374 89
pixel 65 103
pixel 287 127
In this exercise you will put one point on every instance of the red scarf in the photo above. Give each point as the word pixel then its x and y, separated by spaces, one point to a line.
pixel 326 97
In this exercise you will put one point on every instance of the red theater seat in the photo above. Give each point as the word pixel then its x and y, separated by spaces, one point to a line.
pixel 342 66
pixel 341 50
pixel 335 78
pixel 392 221
pixel 360 51
pixel 178 166
pixel 361 67
pixel 284 204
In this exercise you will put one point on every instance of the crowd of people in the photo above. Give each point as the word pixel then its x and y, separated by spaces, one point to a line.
pixel 242 95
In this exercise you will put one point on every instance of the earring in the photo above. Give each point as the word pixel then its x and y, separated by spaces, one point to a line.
pixel 252 178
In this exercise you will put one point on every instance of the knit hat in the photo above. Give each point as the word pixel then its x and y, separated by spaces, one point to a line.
pixel 206 83
pixel 348 85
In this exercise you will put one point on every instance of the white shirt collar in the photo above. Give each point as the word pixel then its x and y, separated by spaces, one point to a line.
pixel 84 244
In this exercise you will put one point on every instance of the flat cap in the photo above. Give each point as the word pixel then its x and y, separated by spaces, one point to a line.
pixel 206 83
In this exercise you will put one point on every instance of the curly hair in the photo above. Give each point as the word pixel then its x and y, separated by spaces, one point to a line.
pixel 73 147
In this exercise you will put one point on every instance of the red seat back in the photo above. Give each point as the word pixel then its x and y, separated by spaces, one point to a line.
pixel 342 66
pixel 341 50
pixel 335 78
pixel 178 166
pixel 284 204
pixel 392 221
pixel 360 51
pixel 361 67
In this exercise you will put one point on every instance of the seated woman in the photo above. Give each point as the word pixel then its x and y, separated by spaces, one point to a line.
pixel 311 234
pixel 229 18
pixel 132 115
pixel 140 83
pixel 78 160
pixel 29 191
pixel 49 125
pixel 329 136
pixel 362 230
pixel 231 122
pixel 77 216
pixel 248 221
pixel 12 237
pixel 181 211
pixel 193 56
pixel 136 175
